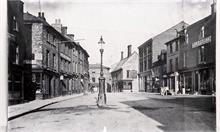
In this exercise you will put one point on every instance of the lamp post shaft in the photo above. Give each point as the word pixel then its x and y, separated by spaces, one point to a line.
pixel 101 95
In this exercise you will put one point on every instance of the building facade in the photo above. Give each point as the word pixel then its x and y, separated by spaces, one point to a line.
pixel 94 72
pixel 191 67
pixel 124 73
pixel 159 72
pixel 19 55
pixel 59 65
pixel 148 54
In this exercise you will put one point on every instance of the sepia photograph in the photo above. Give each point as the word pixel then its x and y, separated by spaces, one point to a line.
pixel 109 66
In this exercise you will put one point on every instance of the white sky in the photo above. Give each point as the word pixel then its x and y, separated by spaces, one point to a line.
pixel 120 22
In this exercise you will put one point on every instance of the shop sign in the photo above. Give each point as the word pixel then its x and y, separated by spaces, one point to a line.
pixel 201 42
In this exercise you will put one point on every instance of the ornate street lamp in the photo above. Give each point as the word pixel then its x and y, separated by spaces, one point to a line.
pixel 101 95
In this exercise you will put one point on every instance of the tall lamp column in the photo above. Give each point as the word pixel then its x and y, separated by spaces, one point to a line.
pixel 101 95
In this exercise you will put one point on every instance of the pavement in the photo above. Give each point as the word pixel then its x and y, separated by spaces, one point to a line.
pixel 124 112
pixel 15 111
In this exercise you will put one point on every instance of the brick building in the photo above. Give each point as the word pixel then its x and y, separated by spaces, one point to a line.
pixel 94 72
pixel 19 55
pixel 148 54
pixel 124 73
pixel 197 73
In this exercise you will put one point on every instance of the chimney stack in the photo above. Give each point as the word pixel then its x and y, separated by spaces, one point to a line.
pixel 64 30
pixel 42 15
pixel 213 7
pixel 129 50
pixel 39 14
pixel 122 57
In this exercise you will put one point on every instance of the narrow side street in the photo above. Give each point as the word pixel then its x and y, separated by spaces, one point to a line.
pixel 125 112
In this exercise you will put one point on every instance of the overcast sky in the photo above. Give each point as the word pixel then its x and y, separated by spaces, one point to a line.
pixel 120 22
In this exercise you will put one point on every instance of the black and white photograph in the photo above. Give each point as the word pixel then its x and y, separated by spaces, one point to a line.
pixel 109 66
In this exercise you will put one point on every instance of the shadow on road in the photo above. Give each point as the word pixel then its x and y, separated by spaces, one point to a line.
pixel 79 110
pixel 179 114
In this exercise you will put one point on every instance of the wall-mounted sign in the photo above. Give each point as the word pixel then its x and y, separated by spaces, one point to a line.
pixel 201 42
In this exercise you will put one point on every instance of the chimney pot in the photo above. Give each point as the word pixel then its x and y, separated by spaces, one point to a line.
pixel 122 57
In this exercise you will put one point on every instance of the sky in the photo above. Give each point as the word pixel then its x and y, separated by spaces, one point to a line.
pixel 120 22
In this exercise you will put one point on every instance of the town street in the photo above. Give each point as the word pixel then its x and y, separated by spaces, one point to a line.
pixel 125 112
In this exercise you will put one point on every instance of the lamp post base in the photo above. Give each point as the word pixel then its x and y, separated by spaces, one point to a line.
pixel 101 96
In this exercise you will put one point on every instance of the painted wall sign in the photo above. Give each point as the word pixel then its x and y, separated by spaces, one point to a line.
pixel 201 42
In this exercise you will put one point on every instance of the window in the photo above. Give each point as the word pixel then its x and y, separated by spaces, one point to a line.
pixel 47 57
pixel 15 24
pixel 201 54
pixel 149 62
pixel 128 74
pixel 93 79
pixel 17 55
pixel 171 65
pixel 202 32
pixel 149 49
pixel 184 59
pixel 53 63
pixel 141 65
pixel 176 64
pixel 171 48
pixel 176 45
pixel 32 56
pixel 187 39
pixel 93 72
pixel 145 63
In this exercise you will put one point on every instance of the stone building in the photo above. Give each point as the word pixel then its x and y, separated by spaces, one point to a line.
pixel 45 56
pixel 19 55
pixel 124 73
pixel 94 72
pixel 191 58
pixel 148 53
pixel 59 65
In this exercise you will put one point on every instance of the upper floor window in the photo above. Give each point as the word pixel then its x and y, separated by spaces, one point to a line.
pixel 53 63
pixel 128 74
pixel 202 32
pixel 17 55
pixel 176 63
pixel 201 54
pixel 184 59
pixel 15 24
pixel 171 48
pixel 176 45
pixel 47 57
pixel 187 39
pixel 171 65
pixel 93 79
